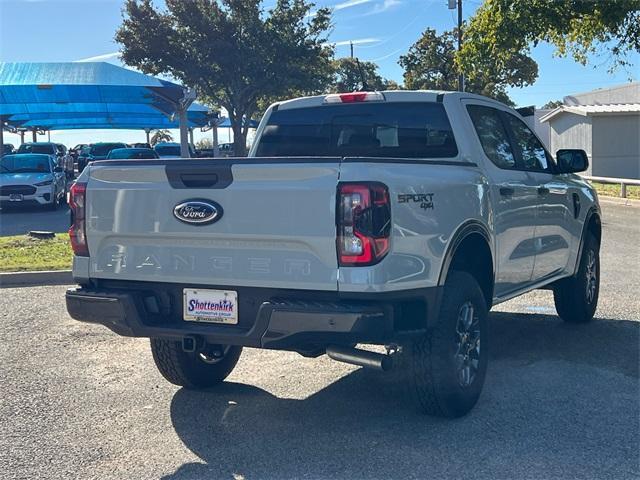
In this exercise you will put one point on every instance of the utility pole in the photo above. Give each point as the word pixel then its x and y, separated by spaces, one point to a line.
pixel 460 75
pixel 453 4
pixel 351 45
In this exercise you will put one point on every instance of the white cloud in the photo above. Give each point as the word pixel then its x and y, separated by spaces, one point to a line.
pixel 384 6
pixel 343 5
pixel 100 58
pixel 350 3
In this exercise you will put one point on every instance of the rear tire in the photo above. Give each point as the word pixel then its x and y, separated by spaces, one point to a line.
pixel 576 297
pixel 193 370
pixel 448 364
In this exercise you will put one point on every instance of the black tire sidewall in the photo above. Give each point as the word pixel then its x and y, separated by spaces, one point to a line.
pixel 453 399
pixel 186 369
pixel 591 245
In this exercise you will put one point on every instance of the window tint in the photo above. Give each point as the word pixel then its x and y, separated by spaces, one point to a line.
pixel 492 134
pixel 44 148
pixel 403 130
pixel 25 164
pixel 533 154
pixel 103 149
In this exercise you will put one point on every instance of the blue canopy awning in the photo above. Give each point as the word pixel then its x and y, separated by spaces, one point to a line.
pixel 23 86
pixel 56 96
pixel 124 117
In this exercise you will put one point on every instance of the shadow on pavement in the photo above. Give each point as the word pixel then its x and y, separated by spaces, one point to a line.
pixel 561 401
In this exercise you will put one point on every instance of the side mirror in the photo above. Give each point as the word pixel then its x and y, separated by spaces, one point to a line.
pixel 572 160
pixel 58 169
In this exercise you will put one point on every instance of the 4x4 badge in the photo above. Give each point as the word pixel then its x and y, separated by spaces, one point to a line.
pixel 424 199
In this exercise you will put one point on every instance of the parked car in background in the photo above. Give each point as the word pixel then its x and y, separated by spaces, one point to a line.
pixel 226 149
pixel 100 151
pixel 32 179
pixel 139 145
pixel 75 151
pixel 7 148
pixel 131 153
pixel 171 150
pixel 45 148
pixel 81 158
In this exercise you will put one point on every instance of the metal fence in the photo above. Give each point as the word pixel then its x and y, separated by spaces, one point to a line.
pixel 623 182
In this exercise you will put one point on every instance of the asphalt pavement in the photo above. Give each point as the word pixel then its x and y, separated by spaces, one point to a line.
pixel 18 221
pixel 560 401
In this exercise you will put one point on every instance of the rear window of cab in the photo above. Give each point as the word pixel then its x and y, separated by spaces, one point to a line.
pixel 391 130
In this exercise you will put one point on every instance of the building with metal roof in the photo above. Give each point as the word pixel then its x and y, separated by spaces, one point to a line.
pixel 605 123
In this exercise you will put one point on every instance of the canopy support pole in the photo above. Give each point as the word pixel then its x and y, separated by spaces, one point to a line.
pixel 21 137
pixel 49 135
pixel 191 136
pixel 34 135
pixel 1 136
pixel 148 131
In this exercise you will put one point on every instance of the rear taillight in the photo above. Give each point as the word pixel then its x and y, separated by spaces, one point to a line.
pixel 78 231
pixel 363 223
pixel 355 97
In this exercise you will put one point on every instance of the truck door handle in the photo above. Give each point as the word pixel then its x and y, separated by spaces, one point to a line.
pixel 199 180
pixel 507 191
pixel 543 190
pixel 207 174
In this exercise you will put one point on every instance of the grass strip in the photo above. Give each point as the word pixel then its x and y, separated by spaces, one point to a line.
pixel 22 253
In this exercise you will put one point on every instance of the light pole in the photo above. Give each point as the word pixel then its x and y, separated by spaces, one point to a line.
pixel 453 4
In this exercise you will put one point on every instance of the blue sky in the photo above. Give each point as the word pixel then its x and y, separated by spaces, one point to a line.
pixel 382 30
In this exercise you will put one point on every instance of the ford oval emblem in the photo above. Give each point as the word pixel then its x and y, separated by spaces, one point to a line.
pixel 198 212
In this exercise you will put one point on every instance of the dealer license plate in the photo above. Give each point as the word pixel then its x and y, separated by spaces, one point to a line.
pixel 210 306
pixel 15 197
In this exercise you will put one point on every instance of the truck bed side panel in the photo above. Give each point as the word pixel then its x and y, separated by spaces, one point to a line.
pixel 429 201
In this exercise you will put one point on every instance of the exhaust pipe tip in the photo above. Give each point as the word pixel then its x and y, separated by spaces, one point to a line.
pixel 361 358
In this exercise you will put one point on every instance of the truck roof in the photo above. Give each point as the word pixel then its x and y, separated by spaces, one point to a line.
pixel 389 95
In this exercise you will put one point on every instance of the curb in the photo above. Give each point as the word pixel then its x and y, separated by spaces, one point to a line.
pixel 34 279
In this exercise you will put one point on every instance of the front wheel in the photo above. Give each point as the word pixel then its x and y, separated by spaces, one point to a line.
pixel 449 363
pixel 576 297
pixel 204 368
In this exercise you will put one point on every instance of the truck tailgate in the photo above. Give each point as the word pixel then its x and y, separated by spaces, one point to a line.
pixel 275 225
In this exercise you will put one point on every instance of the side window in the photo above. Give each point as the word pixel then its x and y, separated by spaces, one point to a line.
pixel 492 134
pixel 532 152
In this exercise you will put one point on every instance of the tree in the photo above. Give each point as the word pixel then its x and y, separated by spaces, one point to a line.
pixel 231 51
pixel 160 136
pixel 502 29
pixel 204 144
pixel 552 104
pixel 348 76
pixel 431 64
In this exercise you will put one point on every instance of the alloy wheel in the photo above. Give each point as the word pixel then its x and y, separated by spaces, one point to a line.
pixel 467 355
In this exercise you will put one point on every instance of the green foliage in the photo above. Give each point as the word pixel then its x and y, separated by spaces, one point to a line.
pixel 232 52
pixel 552 104
pixel 348 76
pixel 502 30
pixel 430 64
pixel 159 136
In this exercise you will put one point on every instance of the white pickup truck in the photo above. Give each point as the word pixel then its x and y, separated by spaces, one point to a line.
pixel 392 218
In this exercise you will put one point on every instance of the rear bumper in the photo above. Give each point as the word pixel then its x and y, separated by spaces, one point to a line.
pixel 280 319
